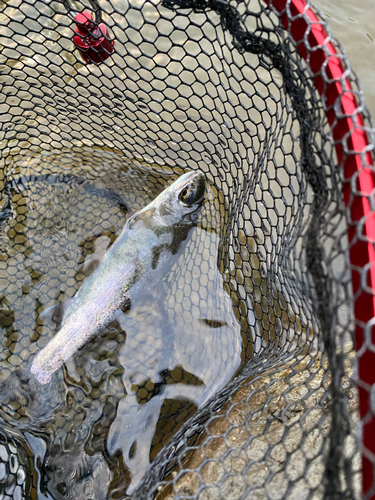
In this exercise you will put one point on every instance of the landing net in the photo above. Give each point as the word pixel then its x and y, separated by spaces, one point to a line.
pixel 260 97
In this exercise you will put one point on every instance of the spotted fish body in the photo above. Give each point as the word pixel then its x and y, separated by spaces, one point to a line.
pixel 137 261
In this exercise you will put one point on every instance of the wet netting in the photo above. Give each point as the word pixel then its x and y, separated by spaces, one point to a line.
pixel 248 371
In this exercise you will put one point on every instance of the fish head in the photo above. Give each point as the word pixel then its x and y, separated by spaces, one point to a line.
pixel 184 196
pixel 178 204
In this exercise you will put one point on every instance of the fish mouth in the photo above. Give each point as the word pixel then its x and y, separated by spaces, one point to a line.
pixel 189 176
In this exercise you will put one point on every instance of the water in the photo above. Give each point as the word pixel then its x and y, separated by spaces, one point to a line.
pixel 69 191
pixel 353 25
pixel 123 391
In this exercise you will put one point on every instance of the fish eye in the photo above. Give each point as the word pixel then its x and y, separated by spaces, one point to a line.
pixel 193 192
pixel 184 195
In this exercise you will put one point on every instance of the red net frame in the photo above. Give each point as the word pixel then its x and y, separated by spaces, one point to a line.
pixel 352 146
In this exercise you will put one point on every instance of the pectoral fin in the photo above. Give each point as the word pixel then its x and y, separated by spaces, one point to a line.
pixel 93 261
pixel 213 323
pixel 90 265
pixel 55 313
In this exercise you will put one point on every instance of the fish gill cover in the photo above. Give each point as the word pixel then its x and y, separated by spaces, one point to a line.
pixel 234 378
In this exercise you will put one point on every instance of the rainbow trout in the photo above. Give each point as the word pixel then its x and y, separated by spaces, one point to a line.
pixel 137 261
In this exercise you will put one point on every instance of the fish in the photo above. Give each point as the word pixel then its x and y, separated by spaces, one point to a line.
pixel 136 262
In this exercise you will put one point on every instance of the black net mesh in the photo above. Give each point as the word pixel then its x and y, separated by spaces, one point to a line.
pixel 235 379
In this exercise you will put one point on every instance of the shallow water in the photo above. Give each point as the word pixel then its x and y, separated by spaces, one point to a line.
pixel 353 25
pixel 130 389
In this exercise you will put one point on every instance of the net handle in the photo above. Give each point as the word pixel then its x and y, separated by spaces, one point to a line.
pixel 353 153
